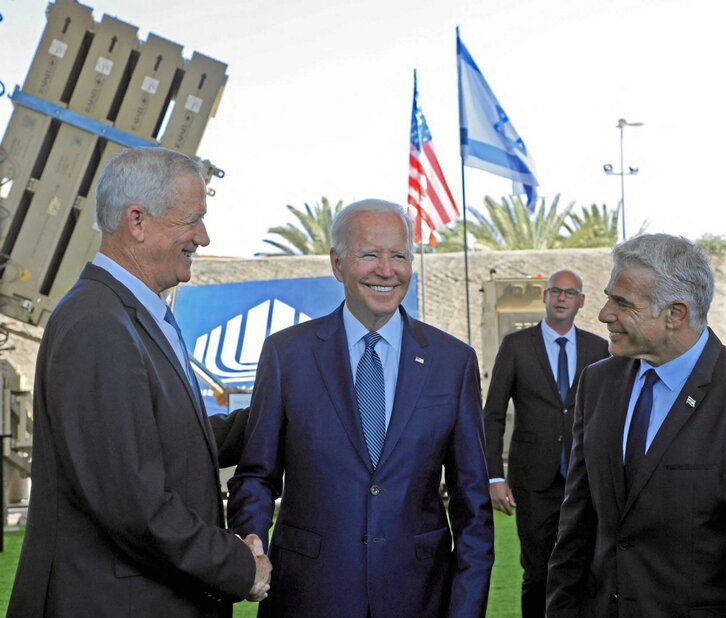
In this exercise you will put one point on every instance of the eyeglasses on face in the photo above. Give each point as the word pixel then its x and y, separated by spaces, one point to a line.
pixel 569 292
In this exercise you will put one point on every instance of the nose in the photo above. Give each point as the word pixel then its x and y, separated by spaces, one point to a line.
pixel 384 266
pixel 201 238
pixel 606 314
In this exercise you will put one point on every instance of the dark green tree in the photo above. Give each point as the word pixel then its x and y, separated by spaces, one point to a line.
pixel 313 234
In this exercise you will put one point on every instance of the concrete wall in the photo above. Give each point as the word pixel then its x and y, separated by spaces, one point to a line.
pixel 445 305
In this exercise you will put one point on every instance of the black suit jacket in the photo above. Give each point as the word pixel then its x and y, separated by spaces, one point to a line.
pixel 661 550
pixel 125 514
pixel 542 421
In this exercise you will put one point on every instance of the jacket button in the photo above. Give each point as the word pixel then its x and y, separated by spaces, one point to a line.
pixel 613 596
pixel 374 490
pixel 365 539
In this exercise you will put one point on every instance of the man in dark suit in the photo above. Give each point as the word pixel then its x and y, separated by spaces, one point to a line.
pixel 538 368
pixel 125 515
pixel 359 410
pixel 643 524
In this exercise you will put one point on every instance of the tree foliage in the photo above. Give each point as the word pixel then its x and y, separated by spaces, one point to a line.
pixel 311 237
pixel 507 225
pixel 714 244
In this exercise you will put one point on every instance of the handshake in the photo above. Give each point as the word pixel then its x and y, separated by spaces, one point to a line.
pixel 259 589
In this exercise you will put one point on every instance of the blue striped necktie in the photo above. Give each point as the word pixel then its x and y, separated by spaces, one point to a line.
pixel 371 395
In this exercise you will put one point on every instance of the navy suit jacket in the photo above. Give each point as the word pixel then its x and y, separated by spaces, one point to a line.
pixel 349 538
pixel 125 515
pixel 659 550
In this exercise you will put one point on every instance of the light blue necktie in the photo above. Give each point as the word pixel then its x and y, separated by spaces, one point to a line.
pixel 563 384
pixel 169 318
pixel 371 395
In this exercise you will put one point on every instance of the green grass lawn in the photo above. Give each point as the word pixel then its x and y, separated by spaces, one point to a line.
pixel 503 595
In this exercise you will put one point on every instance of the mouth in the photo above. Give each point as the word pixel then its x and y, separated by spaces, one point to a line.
pixel 380 288
pixel 188 254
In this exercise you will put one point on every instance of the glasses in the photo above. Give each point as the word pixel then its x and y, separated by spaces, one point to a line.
pixel 569 292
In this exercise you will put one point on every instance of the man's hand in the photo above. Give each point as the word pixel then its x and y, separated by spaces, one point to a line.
pixel 502 497
pixel 259 589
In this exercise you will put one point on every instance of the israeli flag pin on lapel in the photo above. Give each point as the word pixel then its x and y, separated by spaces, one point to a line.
pixel 691 401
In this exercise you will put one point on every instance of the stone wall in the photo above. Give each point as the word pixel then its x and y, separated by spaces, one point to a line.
pixel 445 298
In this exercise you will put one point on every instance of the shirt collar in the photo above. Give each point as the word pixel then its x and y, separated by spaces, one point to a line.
pixel 154 303
pixel 674 372
pixel 391 331
pixel 551 335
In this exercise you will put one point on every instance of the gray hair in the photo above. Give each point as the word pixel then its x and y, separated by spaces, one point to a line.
pixel 682 272
pixel 340 230
pixel 143 176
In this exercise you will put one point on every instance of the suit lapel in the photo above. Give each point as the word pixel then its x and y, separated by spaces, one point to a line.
pixel 333 361
pixel 412 370
pixel 145 321
pixel 692 394
pixel 540 352
pixel 619 389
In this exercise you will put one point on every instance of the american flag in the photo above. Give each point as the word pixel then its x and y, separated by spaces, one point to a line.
pixel 431 204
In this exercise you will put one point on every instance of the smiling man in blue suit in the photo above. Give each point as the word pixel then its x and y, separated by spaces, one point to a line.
pixel 359 410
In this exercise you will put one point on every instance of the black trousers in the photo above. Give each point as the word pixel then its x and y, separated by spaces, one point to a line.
pixel 537 515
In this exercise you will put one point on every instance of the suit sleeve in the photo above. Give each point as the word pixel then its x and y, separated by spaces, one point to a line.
pixel 257 481
pixel 470 507
pixel 570 561
pixel 103 396
pixel 495 410
pixel 229 435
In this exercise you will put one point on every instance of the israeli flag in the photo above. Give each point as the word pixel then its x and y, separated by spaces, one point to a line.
pixel 488 138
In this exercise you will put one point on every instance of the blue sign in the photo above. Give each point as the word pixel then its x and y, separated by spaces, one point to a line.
pixel 226 324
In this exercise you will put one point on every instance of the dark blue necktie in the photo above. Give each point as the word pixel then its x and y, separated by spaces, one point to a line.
pixel 563 384
pixel 563 374
pixel 169 318
pixel 638 432
pixel 371 395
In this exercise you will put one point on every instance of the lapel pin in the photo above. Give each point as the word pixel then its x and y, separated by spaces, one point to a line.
pixel 418 359
pixel 691 401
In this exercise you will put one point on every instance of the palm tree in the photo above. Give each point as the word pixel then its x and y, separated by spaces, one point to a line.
pixel 507 225
pixel 596 227
pixel 313 238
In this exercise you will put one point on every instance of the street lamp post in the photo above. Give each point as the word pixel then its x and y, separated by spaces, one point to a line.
pixel 608 169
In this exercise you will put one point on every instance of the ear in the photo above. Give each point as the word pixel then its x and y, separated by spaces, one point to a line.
pixel 582 301
pixel 135 219
pixel 677 314
pixel 335 264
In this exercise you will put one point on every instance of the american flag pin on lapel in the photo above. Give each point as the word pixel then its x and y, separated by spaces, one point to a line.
pixel 418 359
pixel 691 401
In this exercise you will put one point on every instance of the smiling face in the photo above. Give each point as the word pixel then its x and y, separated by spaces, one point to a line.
pixel 628 313
pixel 376 270
pixel 561 309
pixel 170 240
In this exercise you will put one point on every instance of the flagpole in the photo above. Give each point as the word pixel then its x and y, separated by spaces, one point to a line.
pixel 419 220
pixel 466 257
pixel 463 201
